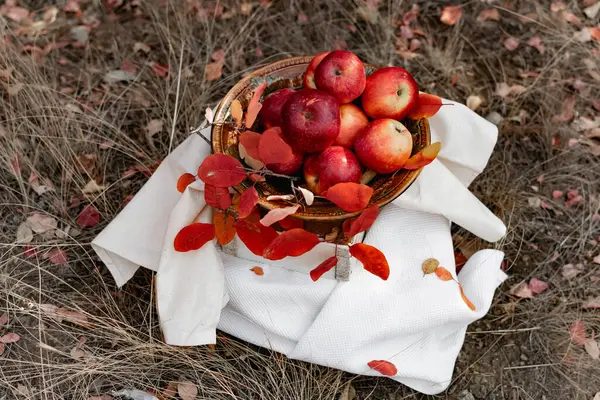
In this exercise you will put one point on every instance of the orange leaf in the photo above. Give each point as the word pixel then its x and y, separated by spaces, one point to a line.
pixel 236 111
pixel 451 15
pixel 217 197
pixel 349 196
pixel 221 170
pixel 277 214
pixel 578 333
pixel 325 266
pixel 293 243
pixel 88 217
pixel 224 227
pixel 467 301
pixel 362 222
pixel 443 274
pixel 290 223
pixel 247 202
pixel 184 181
pixel 273 149
pixel 254 106
pixel 373 259
pixel 258 271
pixel 250 142
pixel 460 260
pixel 383 367
pixel 193 237
pixel 160 70
pixel 255 236
pixel 423 157
pixel 427 106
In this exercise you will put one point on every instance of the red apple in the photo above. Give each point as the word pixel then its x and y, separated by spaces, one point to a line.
pixel 336 164
pixel 310 120
pixel 290 167
pixel 270 113
pixel 342 74
pixel 384 145
pixel 309 75
pixel 352 121
pixel 390 93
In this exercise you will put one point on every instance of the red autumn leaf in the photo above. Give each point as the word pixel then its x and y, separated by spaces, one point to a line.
pixel 427 106
pixel 291 223
pixel 277 214
pixel 272 149
pixel 577 332
pixel 362 222
pixel 511 43
pixel 373 259
pixel 451 15
pixel 56 256
pixel 160 70
pixel 460 260
pixel 537 286
pixel 383 367
pixel 255 236
pixel 322 268
pixel 443 274
pixel 465 299
pixel 184 181
pixel 29 251
pixel 224 227
pixel 490 13
pixel 250 142
pixel 10 338
pixel 247 202
pixel 258 271
pixel 88 217
pixel 349 196
pixel 217 197
pixel 254 106
pixel 423 157
pixel 292 243
pixel 221 170
pixel 193 237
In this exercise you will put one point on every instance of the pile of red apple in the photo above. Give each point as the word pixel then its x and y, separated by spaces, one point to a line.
pixel 342 122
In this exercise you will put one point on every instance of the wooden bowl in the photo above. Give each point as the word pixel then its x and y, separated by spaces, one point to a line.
pixel 323 216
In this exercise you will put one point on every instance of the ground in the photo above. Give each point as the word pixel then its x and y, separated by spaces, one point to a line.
pixel 92 93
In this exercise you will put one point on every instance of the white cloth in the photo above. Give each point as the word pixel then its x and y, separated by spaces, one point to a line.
pixel 416 322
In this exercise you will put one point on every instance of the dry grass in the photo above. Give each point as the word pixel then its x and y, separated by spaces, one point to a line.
pixel 523 350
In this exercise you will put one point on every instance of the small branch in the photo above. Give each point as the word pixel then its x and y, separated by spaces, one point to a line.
pixel 176 99
pixel 529 366
pixel 504 331
pixel 267 172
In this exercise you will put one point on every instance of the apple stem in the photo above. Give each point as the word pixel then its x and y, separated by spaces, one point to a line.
pixel 267 172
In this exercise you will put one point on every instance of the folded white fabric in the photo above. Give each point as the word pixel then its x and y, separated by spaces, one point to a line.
pixel 415 322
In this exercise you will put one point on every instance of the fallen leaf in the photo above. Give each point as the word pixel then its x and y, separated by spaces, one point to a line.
pixel 29 251
pixel 568 111
pixel 40 223
pixel 490 13
pixel 139 46
pixel 536 42
pixel 17 14
pixel 258 271
pixel 443 274
pixel 255 236
pixel 254 106
pixel 534 202
pixel 591 346
pixel 209 115
pixel 577 333
pixel 221 170
pixel 373 259
pixel 24 233
pixel 213 71
pixel 570 271
pixel 557 194
pixel 154 126
pixel 572 18
pixel 511 43
pixel 592 10
pixel 247 202
pixel 224 227
pixel 10 338
pixel 593 303
pixel 23 391
pixel 187 390
pixel 292 243
pixel 273 149
pixel 465 299
pixel 119 76
pixel 185 180
pixel 309 196
pixel 160 70
pixel 430 265
pixel 218 55
pixel 537 286
pixel 383 367
pixel 88 217
pixel 473 102
pixel 56 256
pixel 349 196
pixel 557 6
pixel 134 394
pixel 583 36
pixel 362 222
pixel 92 187
pixel 574 201
pixel 522 291
pixel 3 320
pixel 451 15
pixel 324 267
pixel 193 237
pixel 597 259
pixel 2 348
pixel 427 106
